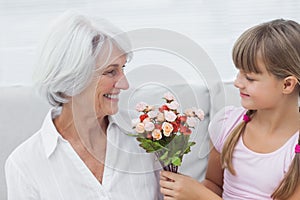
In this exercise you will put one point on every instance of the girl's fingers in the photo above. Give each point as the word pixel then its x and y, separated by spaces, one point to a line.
pixel 168 198
pixel 163 178
pixel 169 175
pixel 168 184
pixel 167 193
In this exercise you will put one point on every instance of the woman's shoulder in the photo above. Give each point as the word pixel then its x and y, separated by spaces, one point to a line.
pixel 223 122
pixel 26 150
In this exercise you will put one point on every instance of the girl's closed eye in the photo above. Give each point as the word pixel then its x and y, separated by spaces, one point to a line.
pixel 249 78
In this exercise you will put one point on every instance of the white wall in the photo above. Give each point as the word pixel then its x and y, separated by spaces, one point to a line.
pixel 213 24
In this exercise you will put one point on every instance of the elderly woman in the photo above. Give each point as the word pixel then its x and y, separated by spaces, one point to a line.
pixel 80 152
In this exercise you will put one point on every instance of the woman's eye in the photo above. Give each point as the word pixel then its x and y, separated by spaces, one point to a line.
pixel 110 72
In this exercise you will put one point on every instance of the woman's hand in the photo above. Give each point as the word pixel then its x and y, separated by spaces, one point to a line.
pixel 180 187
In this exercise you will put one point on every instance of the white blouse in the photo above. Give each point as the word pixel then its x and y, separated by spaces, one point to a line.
pixel 46 167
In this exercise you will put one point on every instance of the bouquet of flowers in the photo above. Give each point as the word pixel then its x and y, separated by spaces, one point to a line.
pixel 165 132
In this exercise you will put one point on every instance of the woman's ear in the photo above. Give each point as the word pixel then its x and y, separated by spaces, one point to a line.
pixel 289 84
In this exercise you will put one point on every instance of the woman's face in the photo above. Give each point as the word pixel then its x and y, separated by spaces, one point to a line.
pixel 110 83
pixel 106 85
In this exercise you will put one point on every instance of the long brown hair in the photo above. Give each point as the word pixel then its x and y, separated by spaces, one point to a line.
pixel 278 42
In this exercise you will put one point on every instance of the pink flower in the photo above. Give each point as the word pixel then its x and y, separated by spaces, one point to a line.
pixel 174 105
pixel 141 106
pixel 189 112
pixel 156 134
pixel 187 132
pixel 167 128
pixel 149 126
pixel 170 116
pixel 149 108
pixel 169 96
pixel 162 108
pixel 140 128
pixel 200 114
pixel 191 121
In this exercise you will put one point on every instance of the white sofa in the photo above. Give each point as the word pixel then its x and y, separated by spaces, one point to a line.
pixel 22 112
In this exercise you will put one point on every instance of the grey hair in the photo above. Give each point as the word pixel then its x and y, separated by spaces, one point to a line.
pixel 67 56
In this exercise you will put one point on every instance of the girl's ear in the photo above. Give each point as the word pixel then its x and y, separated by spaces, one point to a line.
pixel 289 84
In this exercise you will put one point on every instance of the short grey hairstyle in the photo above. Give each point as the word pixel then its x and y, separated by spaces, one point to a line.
pixel 68 54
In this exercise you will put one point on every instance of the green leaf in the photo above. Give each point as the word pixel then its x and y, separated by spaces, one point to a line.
pixel 149 145
pixel 188 148
pixel 176 161
pixel 164 156
pixel 133 135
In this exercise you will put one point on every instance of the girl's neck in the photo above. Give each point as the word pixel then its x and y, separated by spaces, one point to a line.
pixel 278 119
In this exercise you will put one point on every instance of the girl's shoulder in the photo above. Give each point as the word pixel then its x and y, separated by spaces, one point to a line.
pixel 223 123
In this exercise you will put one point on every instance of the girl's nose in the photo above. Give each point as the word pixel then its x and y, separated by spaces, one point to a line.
pixel 238 81
pixel 122 83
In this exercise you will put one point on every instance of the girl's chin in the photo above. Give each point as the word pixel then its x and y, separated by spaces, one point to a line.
pixel 247 106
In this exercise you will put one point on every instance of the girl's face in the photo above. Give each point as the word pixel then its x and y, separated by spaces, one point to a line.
pixel 259 91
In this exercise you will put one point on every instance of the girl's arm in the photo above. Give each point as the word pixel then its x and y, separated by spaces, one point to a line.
pixel 214 173
pixel 181 187
pixel 296 194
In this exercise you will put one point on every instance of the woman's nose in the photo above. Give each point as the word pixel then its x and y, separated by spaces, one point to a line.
pixel 122 83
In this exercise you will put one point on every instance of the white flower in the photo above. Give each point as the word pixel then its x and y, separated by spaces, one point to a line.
pixel 167 128
pixel 191 121
pixel 149 126
pixel 140 128
pixel 160 117
pixel 169 96
pixel 152 114
pixel 200 114
pixel 156 134
pixel 174 105
pixel 134 122
pixel 141 106
pixel 170 116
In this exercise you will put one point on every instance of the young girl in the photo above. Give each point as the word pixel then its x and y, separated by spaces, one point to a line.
pixel 256 148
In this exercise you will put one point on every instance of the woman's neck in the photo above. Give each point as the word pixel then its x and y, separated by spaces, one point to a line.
pixel 79 124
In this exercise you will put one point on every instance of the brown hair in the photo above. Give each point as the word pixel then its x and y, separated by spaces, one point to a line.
pixel 278 42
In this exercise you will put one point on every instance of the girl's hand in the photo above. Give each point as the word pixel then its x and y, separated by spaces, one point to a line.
pixel 180 187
